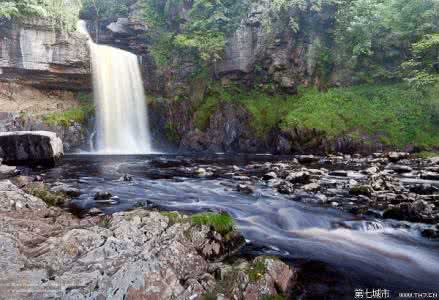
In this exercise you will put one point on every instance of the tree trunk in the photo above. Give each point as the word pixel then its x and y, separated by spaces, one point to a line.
pixel 97 30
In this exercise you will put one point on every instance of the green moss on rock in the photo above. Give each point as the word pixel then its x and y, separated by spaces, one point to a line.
pixel 41 191
pixel 222 223
pixel 77 114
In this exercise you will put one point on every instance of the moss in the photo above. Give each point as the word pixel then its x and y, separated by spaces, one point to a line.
pixel 360 190
pixel 84 97
pixel 427 154
pixel 50 198
pixel 171 131
pixel 222 223
pixel 209 296
pixel 77 114
pixel 172 216
pixel 393 114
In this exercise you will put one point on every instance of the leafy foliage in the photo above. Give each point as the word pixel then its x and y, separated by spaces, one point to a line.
pixel 101 9
pixel 199 34
pixel 63 14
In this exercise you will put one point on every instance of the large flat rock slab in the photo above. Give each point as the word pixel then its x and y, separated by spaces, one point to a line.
pixel 30 148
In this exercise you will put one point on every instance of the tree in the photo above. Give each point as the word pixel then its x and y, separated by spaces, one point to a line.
pixel 62 13
pixel 422 70
pixel 104 9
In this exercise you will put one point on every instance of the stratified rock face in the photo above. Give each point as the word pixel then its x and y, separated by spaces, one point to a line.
pixel 30 147
pixel 33 52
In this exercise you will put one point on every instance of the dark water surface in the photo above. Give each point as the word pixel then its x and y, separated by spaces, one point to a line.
pixel 375 254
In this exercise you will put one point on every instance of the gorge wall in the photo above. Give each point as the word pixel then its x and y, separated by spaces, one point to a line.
pixel 41 72
pixel 46 61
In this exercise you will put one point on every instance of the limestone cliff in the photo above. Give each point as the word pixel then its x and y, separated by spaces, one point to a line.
pixel 33 52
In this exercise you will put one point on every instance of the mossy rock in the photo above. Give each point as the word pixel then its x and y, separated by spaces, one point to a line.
pixel 222 223
pixel 360 190
pixel 40 190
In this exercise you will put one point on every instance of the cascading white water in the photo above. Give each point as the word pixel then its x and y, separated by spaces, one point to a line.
pixel 121 111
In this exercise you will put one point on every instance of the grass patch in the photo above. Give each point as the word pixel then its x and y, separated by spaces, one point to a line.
pixel 427 154
pixel 222 223
pixel 105 222
pixel 41 191
pixel 393 114
pixel 84 97
pixel 257 270
pixel 77 114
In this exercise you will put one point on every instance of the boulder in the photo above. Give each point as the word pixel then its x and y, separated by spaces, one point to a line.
pixel 31 148
pixel 7 172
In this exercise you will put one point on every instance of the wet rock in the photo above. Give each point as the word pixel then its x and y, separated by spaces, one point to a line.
pixel 371 170
pixel 429 175
pixel 285 187
pixel 246 189
pixel 311 187
pixel 400 169
pixel 339 173
pixel 417 211
pixel 103 196
pixel 269 176
pixel 360 190
pixel 298 177
pixel 307 159
pixel 8 172
pixel 240 177
pixel 424 189
pixel 66 189
pixel 421 207
pixel 95 211
pixel 396 156
pixel 431 233
pixel 126 178
pixel 433 160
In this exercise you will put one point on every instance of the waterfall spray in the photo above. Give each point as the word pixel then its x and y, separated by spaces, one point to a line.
pixel 121 111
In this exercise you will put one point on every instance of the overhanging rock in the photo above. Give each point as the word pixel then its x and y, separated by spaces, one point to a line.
pixel 30 148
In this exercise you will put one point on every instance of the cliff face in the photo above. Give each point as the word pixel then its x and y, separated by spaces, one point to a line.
pixel 282 58
pixel 33 53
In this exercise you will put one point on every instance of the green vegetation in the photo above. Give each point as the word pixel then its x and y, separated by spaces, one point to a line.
pixel 172 216
pixel 200 37
pixel 394 114
pixel 62 14
pixel 222 223
pixel 41 191
pixel 77 114
pixel 427 154
pixel 105 222
pixel 84 97
pixel 257 270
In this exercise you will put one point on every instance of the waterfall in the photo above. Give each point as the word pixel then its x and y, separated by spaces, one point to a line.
pixel 121 111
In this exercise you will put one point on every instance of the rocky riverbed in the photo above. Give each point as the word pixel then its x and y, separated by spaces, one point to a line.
pixel 48 253
pixel 113 232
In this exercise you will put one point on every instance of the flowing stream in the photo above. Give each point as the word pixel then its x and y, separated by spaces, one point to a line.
pixel 121 111
pixel 343 251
